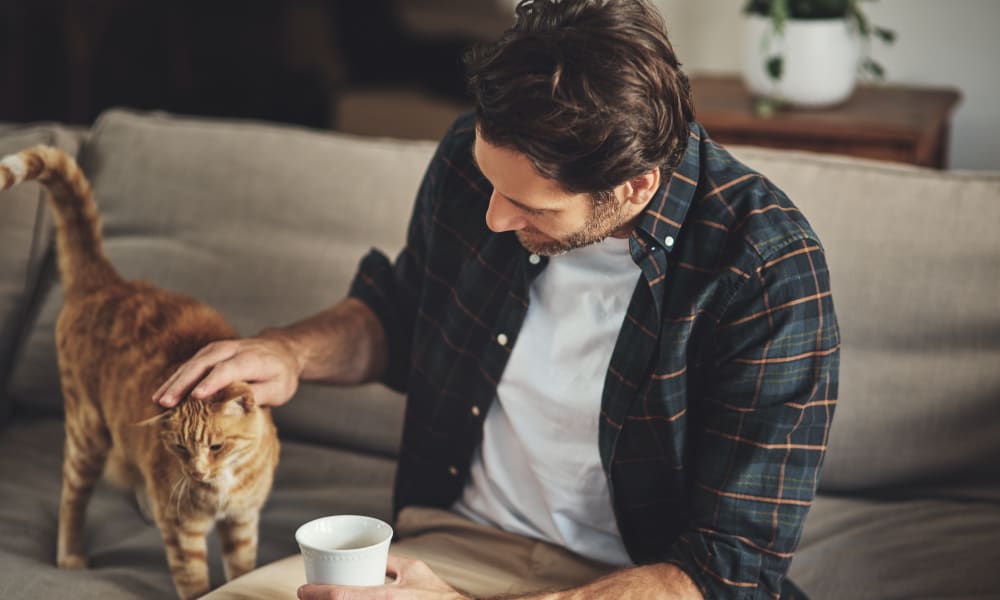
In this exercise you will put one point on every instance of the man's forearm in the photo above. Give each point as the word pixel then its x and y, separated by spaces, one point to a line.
pixel 344 344
pixel 660 582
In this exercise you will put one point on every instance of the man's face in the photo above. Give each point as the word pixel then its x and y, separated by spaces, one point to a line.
pixel 547 219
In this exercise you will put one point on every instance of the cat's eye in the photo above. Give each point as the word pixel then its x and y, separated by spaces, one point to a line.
pixel 215 447
pixel 181 448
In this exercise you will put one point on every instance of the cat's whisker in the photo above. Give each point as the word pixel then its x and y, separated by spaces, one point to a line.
pixel 185 494
pixel 174 492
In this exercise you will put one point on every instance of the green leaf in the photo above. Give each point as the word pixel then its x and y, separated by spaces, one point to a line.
pixel 860 19
pixel 886 35
pixel 819 9
pixel 874 68
pixel 775 66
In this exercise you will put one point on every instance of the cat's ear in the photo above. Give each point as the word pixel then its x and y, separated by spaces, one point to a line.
pixel 239 406
pixel 163 416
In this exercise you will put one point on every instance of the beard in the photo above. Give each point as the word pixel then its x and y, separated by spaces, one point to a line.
pixel 606 218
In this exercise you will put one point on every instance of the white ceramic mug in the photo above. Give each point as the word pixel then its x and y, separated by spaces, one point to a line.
pixel 345 549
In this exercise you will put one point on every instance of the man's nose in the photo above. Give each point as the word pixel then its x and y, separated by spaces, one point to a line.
pixel 504 216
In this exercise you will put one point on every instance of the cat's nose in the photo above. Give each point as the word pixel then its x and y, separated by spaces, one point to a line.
pixel 200 475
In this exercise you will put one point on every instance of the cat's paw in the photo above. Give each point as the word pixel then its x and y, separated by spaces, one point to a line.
pixel 72 561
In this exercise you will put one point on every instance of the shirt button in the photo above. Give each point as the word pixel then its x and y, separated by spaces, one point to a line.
pixel 502 339
pixel 668 241
pixel 534 259
pixel 453 470
pixel 475 411
pixel 652 248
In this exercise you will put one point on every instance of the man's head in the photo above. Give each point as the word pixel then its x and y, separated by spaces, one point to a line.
pixel 590 95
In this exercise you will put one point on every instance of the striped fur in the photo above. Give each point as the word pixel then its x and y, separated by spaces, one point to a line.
pixel 202 465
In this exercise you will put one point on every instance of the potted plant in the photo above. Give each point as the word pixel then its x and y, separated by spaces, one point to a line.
pixel 808 53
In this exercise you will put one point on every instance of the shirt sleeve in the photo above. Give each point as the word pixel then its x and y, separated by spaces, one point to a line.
pixel 770 399
pixel 393 290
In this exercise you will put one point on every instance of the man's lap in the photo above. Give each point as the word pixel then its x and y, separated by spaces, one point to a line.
pixel 473 558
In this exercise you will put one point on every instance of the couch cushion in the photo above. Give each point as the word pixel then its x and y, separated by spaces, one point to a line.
pixel 915 263
pixel 881 549
pixel 24 235
pixel 265 223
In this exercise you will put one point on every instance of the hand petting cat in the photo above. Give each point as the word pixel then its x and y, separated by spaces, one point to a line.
pixel 267 363
pixel 344 344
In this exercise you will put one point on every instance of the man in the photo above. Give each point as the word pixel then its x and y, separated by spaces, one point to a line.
pixel 618 343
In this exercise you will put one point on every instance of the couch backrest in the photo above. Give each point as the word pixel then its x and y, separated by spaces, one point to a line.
pixel 264 223
pixel 914 257
pixel 24 237
pixel 267 224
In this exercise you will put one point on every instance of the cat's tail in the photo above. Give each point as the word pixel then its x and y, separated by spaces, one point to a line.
pixel 82 262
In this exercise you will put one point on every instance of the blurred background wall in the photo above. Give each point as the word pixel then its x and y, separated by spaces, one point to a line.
pixel 392 67
pixel 951 43
pixel 291 61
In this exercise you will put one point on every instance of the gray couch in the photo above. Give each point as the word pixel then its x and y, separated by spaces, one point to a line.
pixel 266 223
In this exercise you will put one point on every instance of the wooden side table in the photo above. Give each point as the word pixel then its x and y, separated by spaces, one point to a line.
pixel 897 123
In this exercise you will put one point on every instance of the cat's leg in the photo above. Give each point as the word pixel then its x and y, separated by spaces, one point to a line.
pixel 85 451
pixel 187 554
pixel 143 504
pixel 120 472
pixel 239 543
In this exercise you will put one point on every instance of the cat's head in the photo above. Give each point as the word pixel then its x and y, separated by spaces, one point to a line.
pixel 210 435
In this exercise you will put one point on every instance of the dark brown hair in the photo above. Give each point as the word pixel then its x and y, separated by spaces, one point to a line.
pixel 589 90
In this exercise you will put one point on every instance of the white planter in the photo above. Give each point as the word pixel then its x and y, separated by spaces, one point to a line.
pixel 820 56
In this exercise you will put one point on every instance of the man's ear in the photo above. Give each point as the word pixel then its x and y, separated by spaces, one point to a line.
pixel 640 190
pixel 163 416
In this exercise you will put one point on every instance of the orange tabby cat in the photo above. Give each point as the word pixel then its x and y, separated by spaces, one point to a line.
pixel 201 464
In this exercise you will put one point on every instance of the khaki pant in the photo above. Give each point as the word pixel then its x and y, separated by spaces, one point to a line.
pixel 475 559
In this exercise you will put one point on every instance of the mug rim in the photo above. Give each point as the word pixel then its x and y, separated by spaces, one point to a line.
pixel 378 522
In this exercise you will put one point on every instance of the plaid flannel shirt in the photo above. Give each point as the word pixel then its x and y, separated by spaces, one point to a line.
pixel 722 384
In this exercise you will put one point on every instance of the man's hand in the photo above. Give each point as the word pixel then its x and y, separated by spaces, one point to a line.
pixel 267 363
pixel 344 345
pixel 414 581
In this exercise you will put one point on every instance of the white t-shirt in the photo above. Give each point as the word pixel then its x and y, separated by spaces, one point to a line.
pixel 538 471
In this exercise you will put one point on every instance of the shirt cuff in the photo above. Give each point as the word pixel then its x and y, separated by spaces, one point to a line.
pixel 720 566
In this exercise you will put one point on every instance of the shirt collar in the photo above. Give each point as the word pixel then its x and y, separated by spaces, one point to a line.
pixel 661 221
